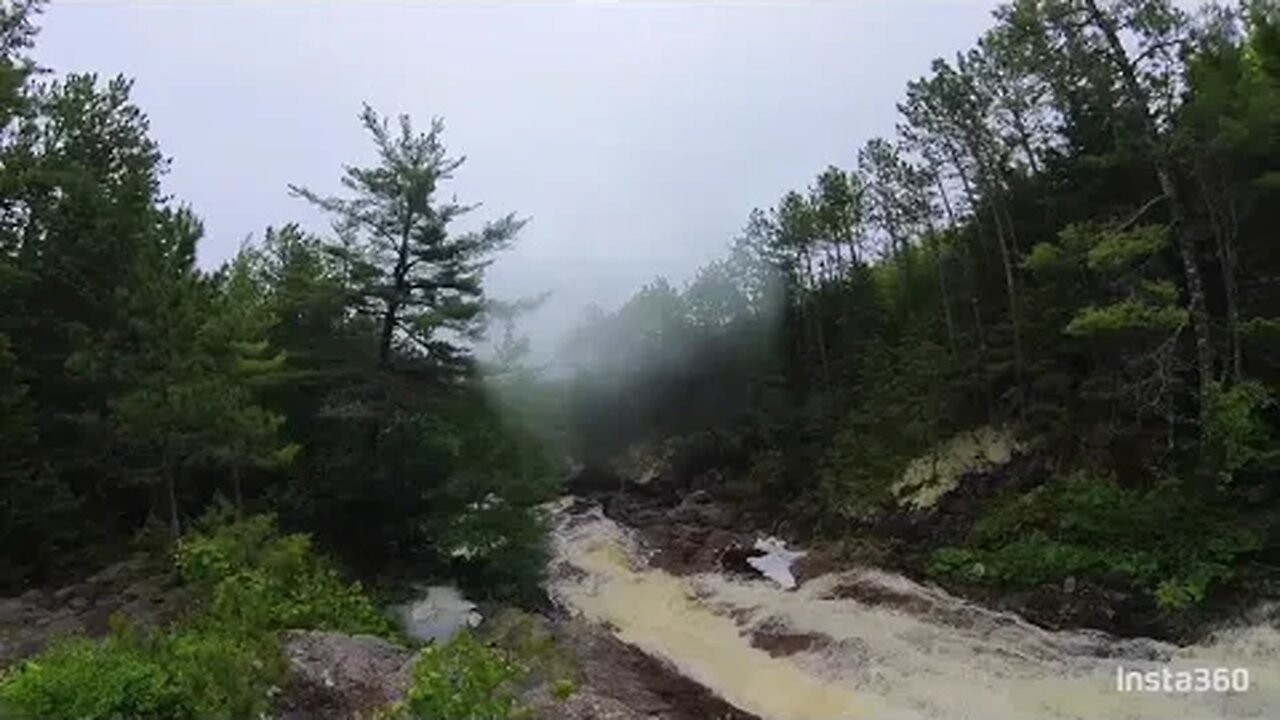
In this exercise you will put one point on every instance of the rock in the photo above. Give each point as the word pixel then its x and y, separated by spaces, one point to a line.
pixel 333 676
pixel 783 644
pixel 716 544
pixel 139 588
pixel 592 480
pixel 735 560
pixel 699 508
pixel 619 682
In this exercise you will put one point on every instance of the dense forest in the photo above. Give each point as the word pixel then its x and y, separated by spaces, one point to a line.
pixel 1066 240
pixel 329 379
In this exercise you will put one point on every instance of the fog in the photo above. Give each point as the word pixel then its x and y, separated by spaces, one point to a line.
pixel 636 136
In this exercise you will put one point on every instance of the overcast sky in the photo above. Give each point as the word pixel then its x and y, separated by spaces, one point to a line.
pixel 636 136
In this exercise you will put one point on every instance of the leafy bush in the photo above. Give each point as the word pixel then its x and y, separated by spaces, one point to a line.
pixel 80 678
pixel 221 661
pixel 1237 435
pixel 258 579
pixel 463 679
pixel 1156 540
pixel 194 673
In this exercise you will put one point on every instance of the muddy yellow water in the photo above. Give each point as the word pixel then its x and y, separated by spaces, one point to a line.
pixel 921 654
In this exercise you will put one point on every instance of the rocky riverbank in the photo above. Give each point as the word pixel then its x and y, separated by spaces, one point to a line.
pixel 678 497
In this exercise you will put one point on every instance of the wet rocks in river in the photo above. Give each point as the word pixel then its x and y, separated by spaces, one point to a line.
pixel 783 644
pixel 619 682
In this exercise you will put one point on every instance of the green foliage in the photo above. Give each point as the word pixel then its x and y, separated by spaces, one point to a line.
pixel 463 679
pixel 422 282
pixel 1044 257
pixel 1155 540
pixel 222 659
pixel 1115 251
pixel 1127 315
pixel 192 673
pixel 260 581
pixel 96 681
pixel 1238 436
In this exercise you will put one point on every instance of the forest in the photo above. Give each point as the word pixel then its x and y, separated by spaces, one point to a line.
pixel 1065 240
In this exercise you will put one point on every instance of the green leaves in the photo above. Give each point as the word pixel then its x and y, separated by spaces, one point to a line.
pixel 1118 250
pixel 421 282
pixel 260 581
pixel 1126 315
pixel 1239 435
pixel 1154 540
pixel 220 662
pixel 463 680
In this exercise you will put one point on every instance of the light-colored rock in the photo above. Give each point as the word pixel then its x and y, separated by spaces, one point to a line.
pixel 333 676
pixel 938 472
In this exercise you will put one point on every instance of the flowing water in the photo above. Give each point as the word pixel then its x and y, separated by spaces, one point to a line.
pixel 880 645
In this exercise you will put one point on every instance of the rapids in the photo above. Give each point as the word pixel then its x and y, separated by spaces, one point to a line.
pixel 878 645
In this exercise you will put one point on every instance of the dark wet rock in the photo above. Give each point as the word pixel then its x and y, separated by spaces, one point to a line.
pixel 734 561
pixel 699 507
pixel 783 644
pixel 619 682
pixel 593 480
pixel 332 676
pixel 717 543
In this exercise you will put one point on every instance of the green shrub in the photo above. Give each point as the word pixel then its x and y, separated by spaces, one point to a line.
pixel 222 660
pixel 1237 436
pixel 258 579
pixel 194 673
pixel 108 680
pixel 1157 540
pixel 463 679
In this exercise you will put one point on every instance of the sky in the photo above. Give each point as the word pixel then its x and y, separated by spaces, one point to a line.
pixel 635 136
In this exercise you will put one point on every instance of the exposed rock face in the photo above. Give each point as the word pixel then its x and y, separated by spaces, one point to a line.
pixel 138 589
pixel 332 676
pixel 619 682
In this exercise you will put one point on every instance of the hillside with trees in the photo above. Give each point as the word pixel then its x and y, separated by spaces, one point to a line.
pixel 1064 246
pixel 1068 239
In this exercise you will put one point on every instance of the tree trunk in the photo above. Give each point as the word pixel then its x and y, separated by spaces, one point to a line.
pixel 171 493
pixel 815 316
pixel 1169 186
pixel 236 488
pixel 936 242
pixel 1224 232
pixel 1015 313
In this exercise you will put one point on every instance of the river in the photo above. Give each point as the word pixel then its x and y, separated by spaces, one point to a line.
pixel 873 644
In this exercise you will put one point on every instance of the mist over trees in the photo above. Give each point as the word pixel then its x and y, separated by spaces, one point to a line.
pixel 1069 236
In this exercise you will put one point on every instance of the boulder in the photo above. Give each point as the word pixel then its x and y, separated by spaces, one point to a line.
pixel 333 676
